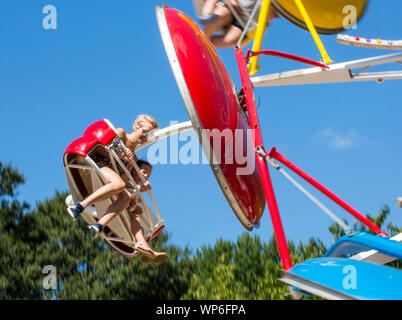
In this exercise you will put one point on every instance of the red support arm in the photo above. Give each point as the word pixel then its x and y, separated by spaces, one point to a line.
pixel 276 155
pixel 285 56
pixel 261 163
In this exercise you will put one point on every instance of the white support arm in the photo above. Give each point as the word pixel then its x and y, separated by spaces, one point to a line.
pixel 167 132
pixel 339 72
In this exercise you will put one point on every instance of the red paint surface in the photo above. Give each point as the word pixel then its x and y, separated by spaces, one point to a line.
pixel 215 100
pixel 262 165
pixel 97 133
pixel 285 55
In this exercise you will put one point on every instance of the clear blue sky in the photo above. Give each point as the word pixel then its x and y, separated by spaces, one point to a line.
pixel 106 60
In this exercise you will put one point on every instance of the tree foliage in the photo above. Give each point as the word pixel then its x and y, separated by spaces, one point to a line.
pixel 86 267
pixel 31 239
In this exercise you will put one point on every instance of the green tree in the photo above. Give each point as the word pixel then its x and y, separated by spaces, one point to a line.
pixel 222 283
pixel 86 267
pixel 19 273
pixel 248 269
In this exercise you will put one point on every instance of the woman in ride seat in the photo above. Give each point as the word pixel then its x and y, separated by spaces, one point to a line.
pixel 117 182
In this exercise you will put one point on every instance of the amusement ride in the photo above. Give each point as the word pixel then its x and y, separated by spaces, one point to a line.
pixel 198 69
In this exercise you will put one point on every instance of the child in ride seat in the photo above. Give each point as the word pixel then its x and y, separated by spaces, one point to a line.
pixel 134 211
pixel 216 15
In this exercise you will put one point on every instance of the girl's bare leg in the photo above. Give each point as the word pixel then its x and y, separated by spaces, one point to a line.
pixel 115 185
pixel 116 207
pixel 138 231
pixel 229 39
pixel 225 18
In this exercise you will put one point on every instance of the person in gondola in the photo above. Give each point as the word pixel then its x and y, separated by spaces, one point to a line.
pixel 116 185
pixel 135 210
pixel 224 21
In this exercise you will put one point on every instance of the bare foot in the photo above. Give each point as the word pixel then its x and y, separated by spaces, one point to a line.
pixel 145 249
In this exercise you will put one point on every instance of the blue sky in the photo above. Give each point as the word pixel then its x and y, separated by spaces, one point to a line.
pixel 106 60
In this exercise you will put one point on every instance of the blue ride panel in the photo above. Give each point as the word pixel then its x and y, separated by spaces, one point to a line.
pixel 362 241
pixel 341 278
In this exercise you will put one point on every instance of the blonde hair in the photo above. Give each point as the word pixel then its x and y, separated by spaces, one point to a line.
pixel 142 118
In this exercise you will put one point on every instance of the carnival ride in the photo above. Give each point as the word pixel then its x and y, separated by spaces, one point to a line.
pixel 84 177
pixel 213 103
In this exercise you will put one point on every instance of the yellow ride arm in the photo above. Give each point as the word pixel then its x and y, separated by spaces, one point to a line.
pixel 259 34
